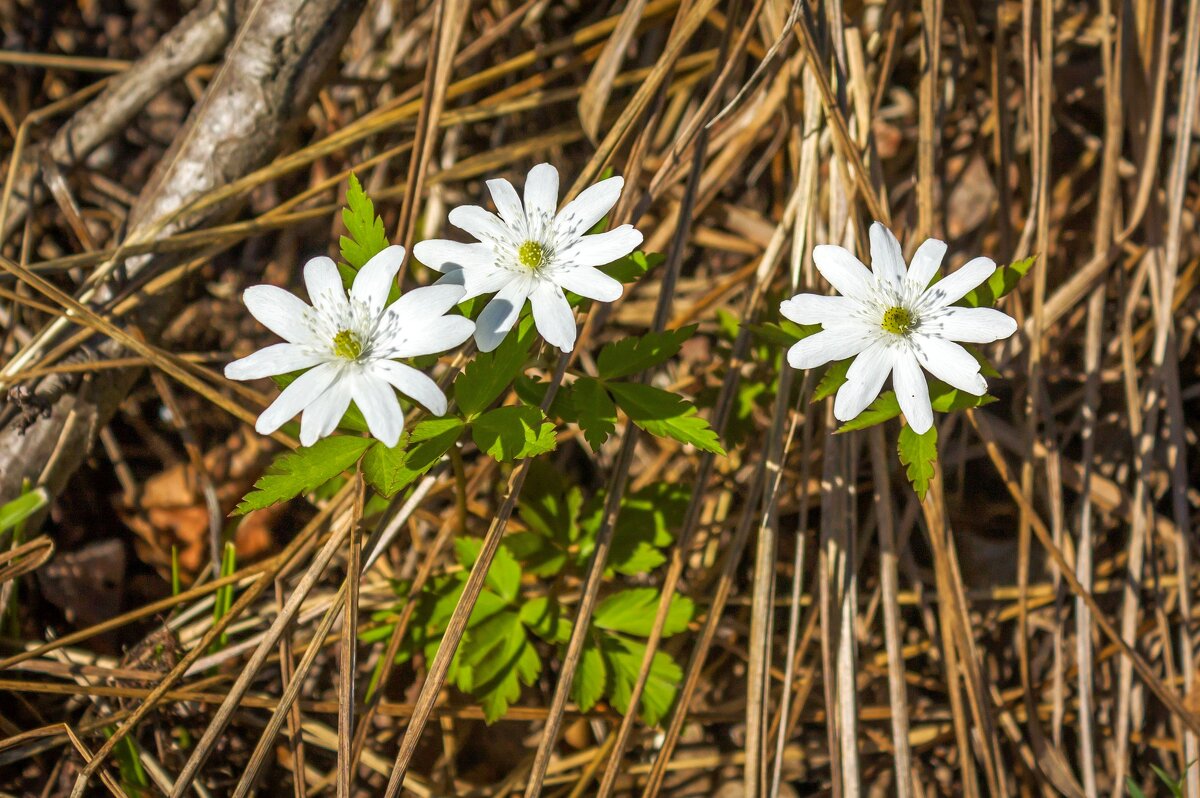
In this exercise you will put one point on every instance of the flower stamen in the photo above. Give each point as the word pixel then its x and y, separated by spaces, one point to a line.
pixel 898 321
pixel 347 345
pixel 532 255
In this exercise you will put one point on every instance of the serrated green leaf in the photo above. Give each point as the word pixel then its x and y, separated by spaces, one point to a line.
pixel 545 618
pixel 633 266
pixel 635 354
pixel 490 373
pixel 643 526
pixel 1002 281
pixel 496 657
pixel 632 612
pixel 367 235
pixel 504 574
pixel 513 432
pixel 390 470
pixel 919 454
pixel 533 392
pixel 591 677
pixel 665 415
pixel 833 378
pixel 624 660
pixel 594 411
pixel 303 470
pixel 783 333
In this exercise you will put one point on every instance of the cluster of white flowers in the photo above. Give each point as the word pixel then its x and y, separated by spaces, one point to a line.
pixel 891 320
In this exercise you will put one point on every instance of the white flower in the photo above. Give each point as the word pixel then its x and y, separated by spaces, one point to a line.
pixel 894 321
pixel 348 344
pixel 528 252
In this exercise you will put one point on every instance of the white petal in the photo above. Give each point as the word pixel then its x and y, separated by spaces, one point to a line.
pixel 591 283
pixel 419 305
pixel 602 248
pixel 379 406
pixel 950 363
pixel 541 191
pixel 441 255
pixel 413 384
pixel 912 391
pixel 844 272
pixel 324 282
pixel 955 285
pixel 887 261
pixel 322 416
pixel 972 325
pixel 297 396
pixel 507 202
pixel 435 335
pixel 817 308
pixel 825 346
pixel 482 224
pixel 582 213
pixel 478 281
pixel 553 315
pixel 926 262
pixel 501 314
pixel 272 360
pixel 280 312
pixel 374 280
pixel 864 379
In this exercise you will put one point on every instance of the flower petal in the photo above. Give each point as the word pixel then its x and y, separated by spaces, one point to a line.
pixel 601 248
pixel 477 282
pixel 590 282
pixel 926 262
pixel 280 312
pixel 413 384
pixel 297 396
pixel 428 302
pixel 374 280
pixel 501 314
pixel 321 417
pixel 955 285
pixel 541 192
pixel 912 391
pixel 827 345
pixel 439 334
pixel 864 379
pixel 582 213
pixel 324 282
pixel 483 224
pixel 272 360
pixel 553 315
pixel 817 308
pixel 972 325
pixel 844 272
pixel 507 202
pixel 950 363
pixel 444 256
pixel 379 406
pixel 887 260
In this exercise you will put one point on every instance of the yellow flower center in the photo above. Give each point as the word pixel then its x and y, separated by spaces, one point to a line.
pixel 531 255
pixel 347 345
pixel 898 321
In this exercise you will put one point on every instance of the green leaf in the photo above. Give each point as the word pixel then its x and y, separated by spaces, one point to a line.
pixel 514 432
pixel 545 618
pixel 833 378
pixel 784 333
pixel 1134 790
pixel 367 236
pixel 632 355
pixel 533 392
pixel 624 660
pixel 390 470
pixel 632 612
pixel 665 415
pixel 919 453
pixel 1002 281
pixel 633 266
pixel 594 411
pixel 20 508
pixel 591 677
pixel 504 574
pixel 303 470
pixel 1174 785
pixel 643 526
pixel 496 658
pixel 490 373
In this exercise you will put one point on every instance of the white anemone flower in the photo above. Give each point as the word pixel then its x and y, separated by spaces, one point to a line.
pixel 349 345
pixel 893 320
pixel 530 252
